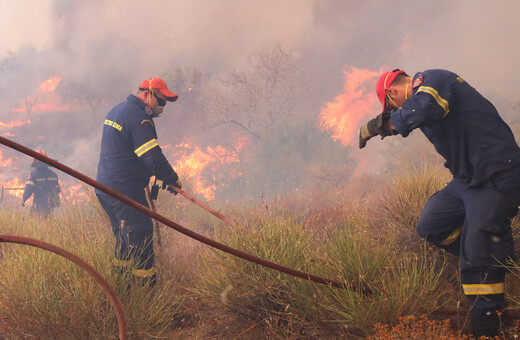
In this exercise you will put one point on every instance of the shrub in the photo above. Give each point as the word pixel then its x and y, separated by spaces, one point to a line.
pixel 386 282
pixel 405 198
pixel 257 292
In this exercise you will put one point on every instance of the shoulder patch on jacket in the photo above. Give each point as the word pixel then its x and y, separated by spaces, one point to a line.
pixel 147 121
pixel 418 81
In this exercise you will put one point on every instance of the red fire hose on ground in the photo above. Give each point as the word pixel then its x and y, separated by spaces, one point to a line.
pixel 166 221
pixel 84 265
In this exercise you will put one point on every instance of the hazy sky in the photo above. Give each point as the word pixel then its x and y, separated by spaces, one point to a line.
pixel 478 39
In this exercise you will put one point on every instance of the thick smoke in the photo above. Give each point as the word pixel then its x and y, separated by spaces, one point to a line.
pixel 104 49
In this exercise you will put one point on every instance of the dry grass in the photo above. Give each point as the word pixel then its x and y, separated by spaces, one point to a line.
pixel 46 296
pixel 362 235
pixel 403 200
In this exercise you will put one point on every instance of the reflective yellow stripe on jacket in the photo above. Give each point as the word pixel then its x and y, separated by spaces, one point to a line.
pixel 443 103
pixel 46 179
pixel 113 124
pixel 146 147
pixel 483 289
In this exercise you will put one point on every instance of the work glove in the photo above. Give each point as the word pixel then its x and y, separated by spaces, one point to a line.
pixel 375 127
pixel 168 186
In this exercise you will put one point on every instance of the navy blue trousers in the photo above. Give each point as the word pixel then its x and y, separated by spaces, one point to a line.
pixel 475 224
pixel 133 232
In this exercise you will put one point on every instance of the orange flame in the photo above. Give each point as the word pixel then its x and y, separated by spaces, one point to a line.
pixel 50 84
pixel 73 193
pixel 356 102
pixel 192 165
pixel 194 160
pixel 15 183
pixel 14 123
pixel 46 99
pixel 70 193
pixel 6 162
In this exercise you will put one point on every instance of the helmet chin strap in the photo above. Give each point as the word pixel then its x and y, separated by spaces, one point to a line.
pixel 393 103
pixel 150 91
pixel 406 89
pixel 405 93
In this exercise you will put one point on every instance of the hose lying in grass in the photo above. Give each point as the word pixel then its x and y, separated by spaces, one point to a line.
pixel 168 222
pixel 84 265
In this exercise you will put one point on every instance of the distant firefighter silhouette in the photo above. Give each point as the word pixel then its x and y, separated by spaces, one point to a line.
pixel 43 184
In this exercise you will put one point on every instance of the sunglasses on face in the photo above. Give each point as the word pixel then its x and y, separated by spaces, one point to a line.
pixel 160 101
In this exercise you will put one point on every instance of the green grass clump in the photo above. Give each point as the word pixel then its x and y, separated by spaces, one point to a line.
pixel 404 199
pixel 384 281
pixel 257 292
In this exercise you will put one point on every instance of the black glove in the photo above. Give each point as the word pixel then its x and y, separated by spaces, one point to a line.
pixel 23 204
pixel 178 183
pixel 168 186
pixel 375 127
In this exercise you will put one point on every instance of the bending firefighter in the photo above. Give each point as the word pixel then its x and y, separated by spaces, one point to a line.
pixel 130 155
pixel 43 184
pixel 471 216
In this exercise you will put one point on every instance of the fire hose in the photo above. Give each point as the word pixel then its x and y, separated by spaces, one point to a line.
pixel 166 221
pixel 203 206
pixel 85 266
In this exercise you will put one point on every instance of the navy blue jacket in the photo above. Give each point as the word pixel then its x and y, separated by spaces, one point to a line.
pixel 43 183
pixel 130 153
pixel 464 127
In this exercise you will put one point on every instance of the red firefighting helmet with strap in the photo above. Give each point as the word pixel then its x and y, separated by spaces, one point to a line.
pixel 384 82
pixel 159 85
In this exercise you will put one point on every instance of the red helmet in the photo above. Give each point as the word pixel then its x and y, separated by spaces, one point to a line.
pixel 384 82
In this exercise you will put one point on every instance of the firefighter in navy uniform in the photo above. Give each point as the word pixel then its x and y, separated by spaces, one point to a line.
pixel 43 184
pixel 130 155
pixel 471 216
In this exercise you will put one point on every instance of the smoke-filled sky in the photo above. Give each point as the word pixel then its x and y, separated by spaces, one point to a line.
pixel 477 39
pixel 126 41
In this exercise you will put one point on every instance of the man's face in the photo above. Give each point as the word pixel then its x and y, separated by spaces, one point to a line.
pixel 156 98
pixel 156 102
pixel 396 95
